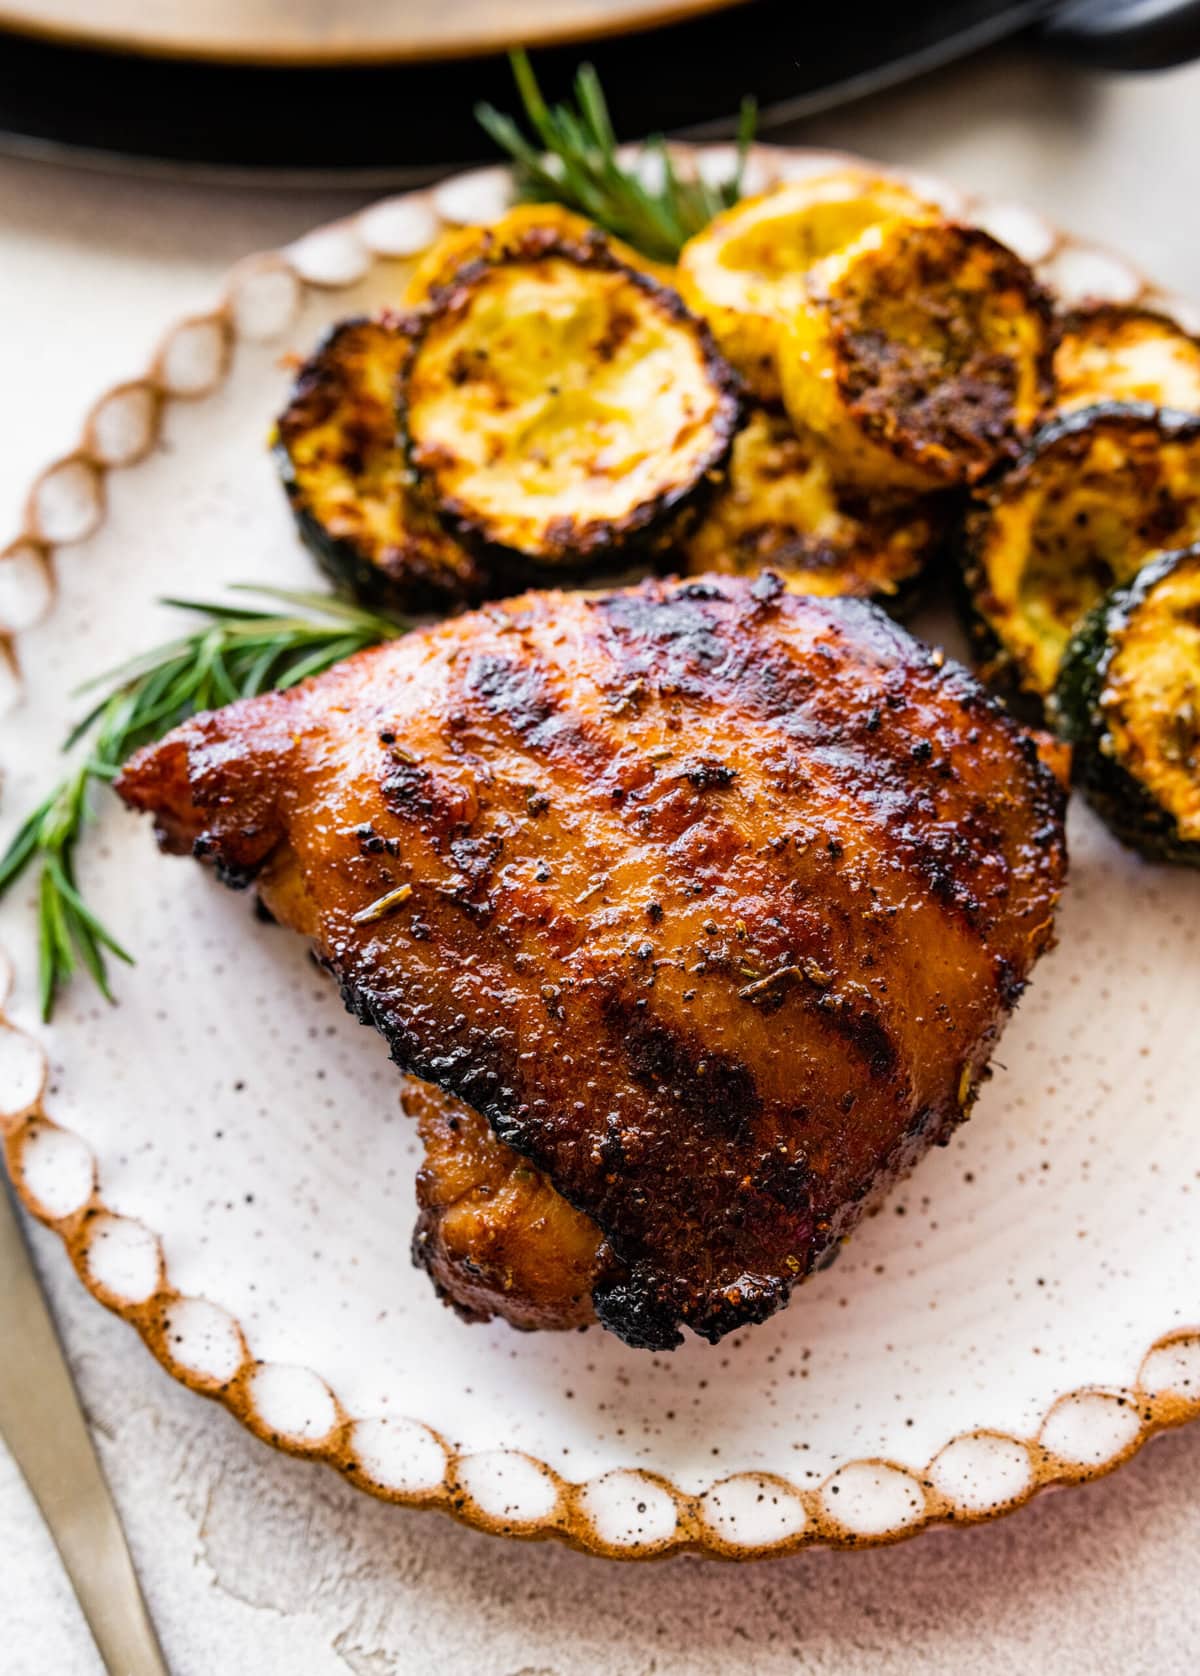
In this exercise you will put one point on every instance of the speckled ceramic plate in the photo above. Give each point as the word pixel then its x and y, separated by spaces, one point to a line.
pixel 224 1155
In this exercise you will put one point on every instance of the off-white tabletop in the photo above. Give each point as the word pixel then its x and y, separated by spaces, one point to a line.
pixel 256 1565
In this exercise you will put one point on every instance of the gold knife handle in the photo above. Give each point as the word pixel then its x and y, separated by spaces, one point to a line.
pixel 43 1425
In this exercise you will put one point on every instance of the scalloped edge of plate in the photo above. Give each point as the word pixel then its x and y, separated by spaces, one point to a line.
pixel 627 1513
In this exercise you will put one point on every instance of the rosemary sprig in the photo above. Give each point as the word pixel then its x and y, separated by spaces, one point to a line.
pixel 574 162
pixel 238 651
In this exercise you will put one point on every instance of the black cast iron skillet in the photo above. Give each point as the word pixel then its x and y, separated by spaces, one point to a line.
pixel 397 123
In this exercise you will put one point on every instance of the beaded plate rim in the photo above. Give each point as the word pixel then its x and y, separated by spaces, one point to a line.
pixel 627 1513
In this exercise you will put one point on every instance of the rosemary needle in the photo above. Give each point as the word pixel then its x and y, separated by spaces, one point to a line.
pixel 237 651
pixel 573 160
pixel 382 906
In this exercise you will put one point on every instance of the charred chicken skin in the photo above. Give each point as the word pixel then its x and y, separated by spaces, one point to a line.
pixel 709 898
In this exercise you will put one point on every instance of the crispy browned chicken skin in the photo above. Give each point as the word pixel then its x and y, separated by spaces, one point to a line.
pixel 712 899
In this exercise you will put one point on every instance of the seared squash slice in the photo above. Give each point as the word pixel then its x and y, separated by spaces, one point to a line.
pixel 745 272
pixel 561 408
pixel 352 493
pixel 1113 352
pixel 782 510
pixel 921 355
pixel 1128 699
pixel 1097 494
pixel 459 245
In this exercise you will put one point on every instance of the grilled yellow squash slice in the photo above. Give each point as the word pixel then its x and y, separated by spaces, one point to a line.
pixel 1098 493
pixel 1118 353
pixel 460 245
pixel 745 272
pixel 351 492
pixel 921 355
pixel 781 510
pixel 560 407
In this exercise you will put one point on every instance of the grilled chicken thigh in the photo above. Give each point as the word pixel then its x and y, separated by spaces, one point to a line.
pixel 710 899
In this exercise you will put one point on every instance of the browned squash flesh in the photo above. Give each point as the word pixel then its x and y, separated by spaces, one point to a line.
pixel 1113 352
pixel 921 355
pixel 1099 493
pixel 1151 697
pixel 345 475
pixel 745 272
pixel 561 407
pixel 781 509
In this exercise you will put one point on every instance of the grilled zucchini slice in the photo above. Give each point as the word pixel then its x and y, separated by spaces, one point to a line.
pixel 561 408
pixel 352 494
pixel 1097 494
pixel 745 272
pixel 781 509
pixel 1114 353
pixel 921 355
pixel 460 245
pixel 1128 699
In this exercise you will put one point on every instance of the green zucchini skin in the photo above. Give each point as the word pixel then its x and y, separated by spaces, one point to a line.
pixel 1058 448
pixel 1126 805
